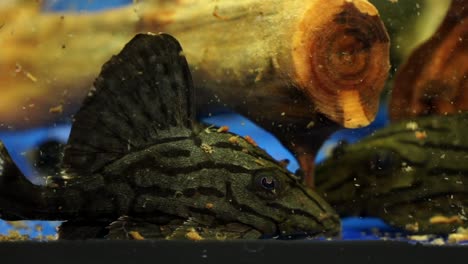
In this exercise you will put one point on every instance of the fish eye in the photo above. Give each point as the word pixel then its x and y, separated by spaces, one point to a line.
pixel 268 183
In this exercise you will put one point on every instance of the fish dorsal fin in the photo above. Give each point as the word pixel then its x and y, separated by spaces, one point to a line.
pixel 142 96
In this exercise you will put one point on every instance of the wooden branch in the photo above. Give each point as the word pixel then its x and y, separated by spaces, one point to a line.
pixel 335 52
pixel 434 78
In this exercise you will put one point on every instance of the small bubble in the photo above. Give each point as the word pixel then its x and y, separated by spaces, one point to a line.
pixel 254 248
pixel 204 253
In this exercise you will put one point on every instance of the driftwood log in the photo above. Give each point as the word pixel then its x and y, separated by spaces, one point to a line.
pixel 299 68
pixel 434 79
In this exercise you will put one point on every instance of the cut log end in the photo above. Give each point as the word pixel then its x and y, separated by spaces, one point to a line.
pixel 342 61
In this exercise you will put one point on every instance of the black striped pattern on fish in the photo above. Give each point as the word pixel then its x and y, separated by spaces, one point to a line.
pixel 403 175
pixel 136 150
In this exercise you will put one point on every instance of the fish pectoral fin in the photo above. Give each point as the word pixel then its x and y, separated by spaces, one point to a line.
pixel 420 214
pixel 18 196
pixel 79 230
pixel 128 228
pixel 119 228
pixel 191 230
pixel 132 228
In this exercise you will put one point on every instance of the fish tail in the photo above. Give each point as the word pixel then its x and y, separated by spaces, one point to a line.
pixel 18 196
pixel 10 175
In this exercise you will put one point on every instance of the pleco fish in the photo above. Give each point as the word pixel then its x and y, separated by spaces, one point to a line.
pixel 413 174
pixel 137 165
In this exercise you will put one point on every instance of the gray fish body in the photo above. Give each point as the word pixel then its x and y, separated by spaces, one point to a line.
pixel 413 174
pixel 137 161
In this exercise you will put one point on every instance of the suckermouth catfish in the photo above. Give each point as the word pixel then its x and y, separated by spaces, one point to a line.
pixel 413 175
pixel 138 165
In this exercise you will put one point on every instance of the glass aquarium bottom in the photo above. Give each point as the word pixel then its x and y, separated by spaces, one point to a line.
pixel 258 251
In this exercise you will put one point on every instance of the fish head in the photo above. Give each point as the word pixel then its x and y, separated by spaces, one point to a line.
pixel 262 194
pixel 276 203
pixel 354 175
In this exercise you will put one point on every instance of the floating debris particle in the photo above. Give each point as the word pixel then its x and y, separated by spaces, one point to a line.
pixel 260 162
pixel 457 238
pixel 38 228
pixel 251 141
pixel 18 224
pixel 31 77
pixel 207 148
pixel 234 139
pixel 438 242
pixel 18 68
pixel 217 15
pixel 460 236
pixel 56 109
pixel 260 75
pixel 192 234
pixel 419 237
pixel 323 216
pixel 420 135
pixel 223 129
pixel 135 235
pixel 208 129
pixel 407 168
pixel 51 237
pixel 412 125
pixel 439 219
pixel 414 227
pixel 310 125
pixel 14 235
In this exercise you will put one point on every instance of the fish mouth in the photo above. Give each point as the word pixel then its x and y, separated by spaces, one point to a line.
pixel 324 226
pixel 314 235
pixel 330 227
pixel 326 233
pixel 306 219
pixel 304 236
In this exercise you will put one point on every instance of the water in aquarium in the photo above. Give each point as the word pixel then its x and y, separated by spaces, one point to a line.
pixel 227 120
